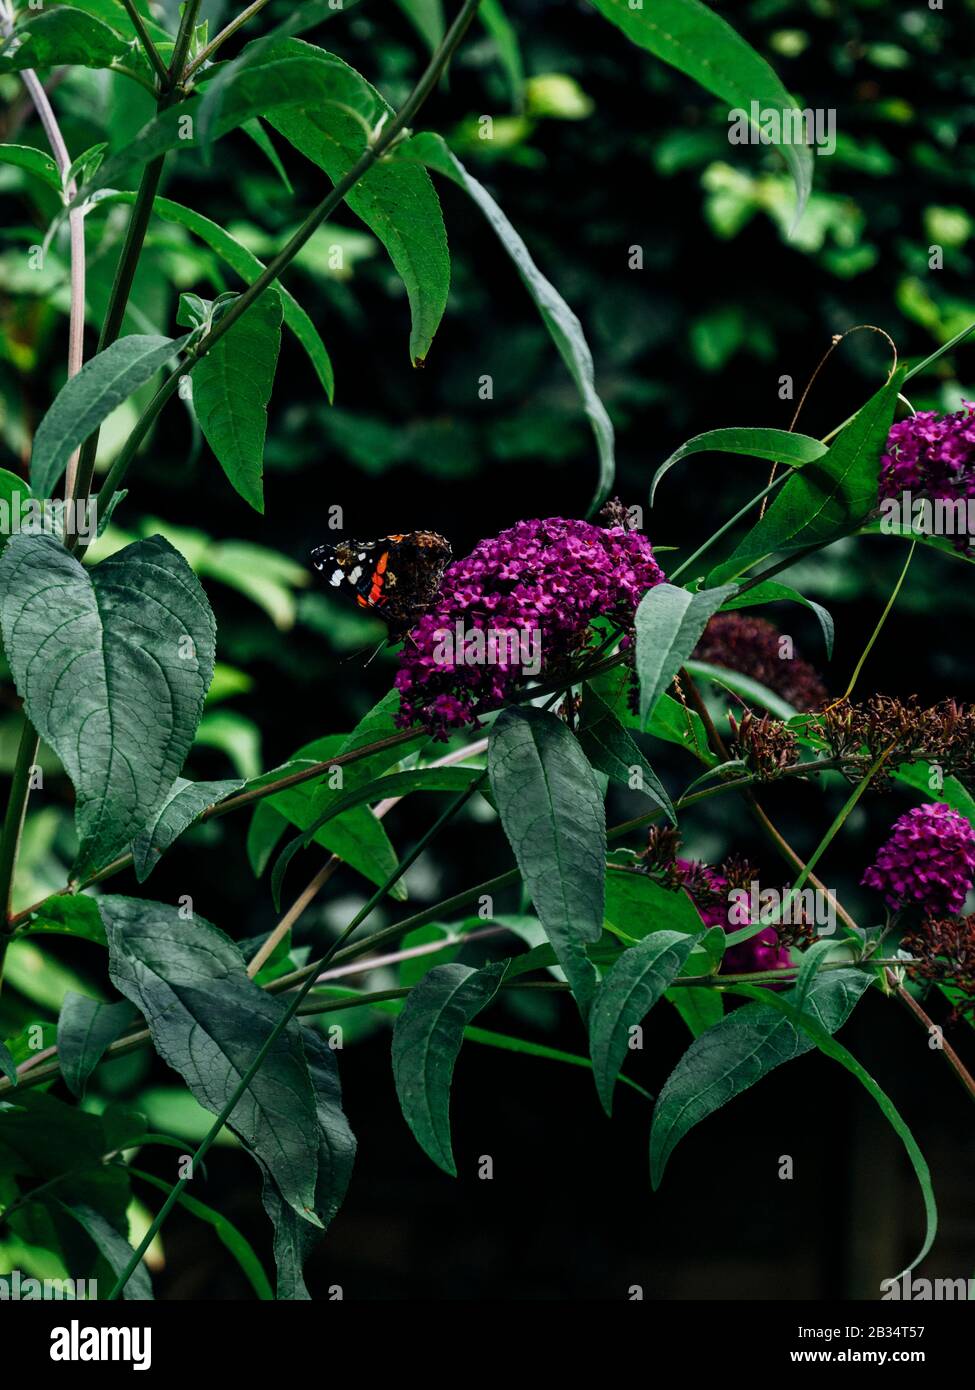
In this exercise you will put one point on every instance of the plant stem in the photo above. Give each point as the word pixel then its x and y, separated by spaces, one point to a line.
pixel 151 51
pixel 880 625
pixel 218 40
pixel 722 530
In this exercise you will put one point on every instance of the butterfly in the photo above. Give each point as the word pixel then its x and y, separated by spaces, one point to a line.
pixel 397 577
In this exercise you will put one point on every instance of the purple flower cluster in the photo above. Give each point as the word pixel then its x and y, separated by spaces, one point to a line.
pixel 931 455
pixel 542 582
pixel 763 951
pixel 929 860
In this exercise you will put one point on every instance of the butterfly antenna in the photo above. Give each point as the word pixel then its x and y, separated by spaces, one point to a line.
pixel 383 643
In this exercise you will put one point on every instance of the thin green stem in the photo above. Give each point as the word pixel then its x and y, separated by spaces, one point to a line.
pixel 151 51
pixel 722 530
pixel 880 625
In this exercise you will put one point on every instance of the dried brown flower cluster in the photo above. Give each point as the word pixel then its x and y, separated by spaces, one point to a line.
pixel 858 733
pixel 945 948
pixel 763 744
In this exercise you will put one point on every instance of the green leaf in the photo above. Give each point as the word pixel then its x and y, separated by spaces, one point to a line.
pixel 637 906
pixel 610 749
pixel 669 623
pixel 505 38
pixel 562 324
pixel 208 1021
pixel 552 812
pixel 32 161
pixel 427 1038
pixel 801 1019
pixel 15 496
pixel 185 803
pixel 293 1237
pixel 119 693
pixel 231 389
pixel 699 1006
pixel 84 402
pixel 7 1064
pixel 782 446
pixel 746 686
pixel 248 267
pixel 739 1051
pixel 426 16
pixel 256 132
pixel 625 996
pixel 85 1029
pixel 66 914
pixel 694 39
pixel 828 498
pixel 238 1245
pixel 533 1049
pixel 396 200
pixel 774 592
pixel 61 37
pixel 952 792
pixel 114 1247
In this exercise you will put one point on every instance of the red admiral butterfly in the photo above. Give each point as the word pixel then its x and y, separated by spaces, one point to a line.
pixel 396 576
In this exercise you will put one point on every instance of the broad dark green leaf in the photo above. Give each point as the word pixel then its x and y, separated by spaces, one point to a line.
pixel 248 267
pixel 830 497
pixel 739 1051
pixel 952 792
pixel 671 721
pixel 610 749
pixel 118 692
pixel 669 623
pixel 32 161
pixel 231 389
pixel 208 1021
pixel 85 1029
pixel 562 324
pixel 694 39
pixel 230 1237
pixel 61 36
pixel 625 996
pixel 83 403
pixel 552 812
pixel 185 802
pixel 782 446
pixel 395 199
pixel 426 1040
pixel 15 497
pixel 293 1237
pixel 114 1247
pixel 637 906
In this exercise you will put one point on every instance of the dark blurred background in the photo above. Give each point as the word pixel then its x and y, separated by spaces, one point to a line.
pixel 599 149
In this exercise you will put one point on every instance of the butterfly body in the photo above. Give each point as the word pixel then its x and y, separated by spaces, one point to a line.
pixel 397 577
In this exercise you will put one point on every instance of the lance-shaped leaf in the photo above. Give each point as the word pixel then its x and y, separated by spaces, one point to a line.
pixel 625 996
pixel 113 665
pixel 113 1246
pixel 830 497
pixel 32 161
pixel 294 1237
pixel 104 382
pixel 231 389
pixel 740 1050
pixel 694 39
pixel 248 267
pixel 208 1020
pixel 781 446
pixel 86 1028
pixel 562 324
pixel 185 802
pixel 552 812
pixel 610 749
pixel 61 36
pixel 774 592
pixel 669 623
pixel 426 1040
pixel 395 199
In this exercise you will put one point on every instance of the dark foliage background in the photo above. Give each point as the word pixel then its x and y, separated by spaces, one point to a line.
pixel 608 151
